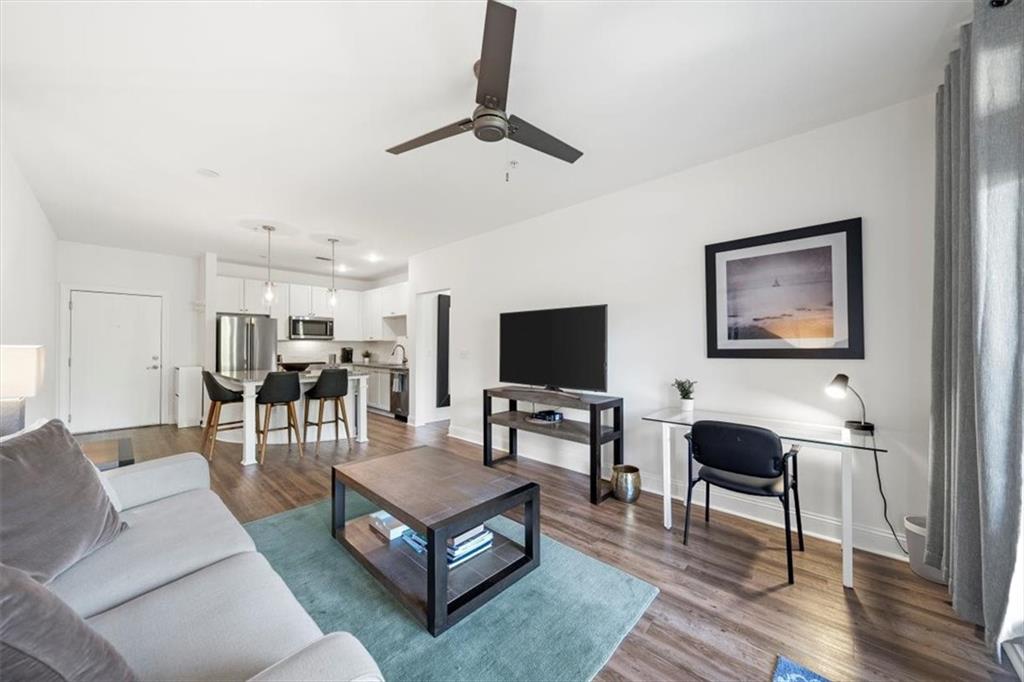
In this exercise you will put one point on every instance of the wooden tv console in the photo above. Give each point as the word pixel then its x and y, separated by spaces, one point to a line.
pixel 591 433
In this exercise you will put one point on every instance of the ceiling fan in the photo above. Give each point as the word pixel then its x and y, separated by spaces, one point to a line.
pixel 489 121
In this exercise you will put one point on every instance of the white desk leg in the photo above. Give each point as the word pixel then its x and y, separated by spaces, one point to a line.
pixel 666 473
pixel 249 423
pixel 847 514
pixel 361 432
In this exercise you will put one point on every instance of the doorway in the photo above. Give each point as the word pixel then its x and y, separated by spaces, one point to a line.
pixel 114 364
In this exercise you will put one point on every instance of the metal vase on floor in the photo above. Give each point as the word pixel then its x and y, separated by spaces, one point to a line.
pixel 626 482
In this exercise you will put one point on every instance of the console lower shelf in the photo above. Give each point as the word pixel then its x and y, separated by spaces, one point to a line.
pixel 567 429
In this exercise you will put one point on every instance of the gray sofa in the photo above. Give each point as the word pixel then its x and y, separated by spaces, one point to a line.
pixel 183 594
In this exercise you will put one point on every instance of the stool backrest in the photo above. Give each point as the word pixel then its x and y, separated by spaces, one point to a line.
pixel 738 448
pixel 332 383
pixel 279 387
pixel 217 391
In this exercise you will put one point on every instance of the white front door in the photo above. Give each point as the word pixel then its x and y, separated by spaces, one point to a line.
pixel 115 372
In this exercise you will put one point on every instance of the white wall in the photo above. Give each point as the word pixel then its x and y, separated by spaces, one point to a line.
pixel 28 279
pixel 641 251
pixel 177 279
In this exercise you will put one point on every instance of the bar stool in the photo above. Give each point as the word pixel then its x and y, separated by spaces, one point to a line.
pixel 219 396
pixel 279 389
pixel 332 385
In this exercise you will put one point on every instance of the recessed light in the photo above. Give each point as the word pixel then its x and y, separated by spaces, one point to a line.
pixel 373 257
pixel 208 173
pixel 342 267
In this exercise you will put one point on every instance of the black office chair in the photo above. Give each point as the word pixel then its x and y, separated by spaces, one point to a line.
pixel 279 389
pixel 219 396
pixel 744 459
pixel 332 385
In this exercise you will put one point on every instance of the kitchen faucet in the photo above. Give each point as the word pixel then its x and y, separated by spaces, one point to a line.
pixel 405 359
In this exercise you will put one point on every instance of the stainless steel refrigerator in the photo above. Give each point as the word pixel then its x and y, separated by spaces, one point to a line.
pixel 246 342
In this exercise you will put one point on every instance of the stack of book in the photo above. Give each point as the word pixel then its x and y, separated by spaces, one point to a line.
pixel 461 548
pixel 387 526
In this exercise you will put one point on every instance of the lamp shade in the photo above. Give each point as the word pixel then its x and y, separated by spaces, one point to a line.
pixel 838 386
pixel 21 370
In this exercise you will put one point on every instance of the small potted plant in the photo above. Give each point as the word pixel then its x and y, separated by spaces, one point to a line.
pixel 366 356
pixel 685 388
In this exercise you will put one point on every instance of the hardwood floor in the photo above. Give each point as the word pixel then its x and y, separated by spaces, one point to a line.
pixel 724 611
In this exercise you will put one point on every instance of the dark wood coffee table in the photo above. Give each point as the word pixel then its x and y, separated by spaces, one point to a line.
pixel 439 495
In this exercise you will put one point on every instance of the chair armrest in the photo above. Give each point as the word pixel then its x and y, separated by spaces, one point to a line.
pixel 158 478
pixel 337 656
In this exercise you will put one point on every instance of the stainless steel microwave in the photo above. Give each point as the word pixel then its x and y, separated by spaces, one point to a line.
pixel 311 328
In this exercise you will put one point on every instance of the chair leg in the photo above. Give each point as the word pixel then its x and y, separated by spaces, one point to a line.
pixel 294 422
pixel 789 537
pixel 206 427
pixel 319 425
pixel 305 418
pixel 337 420
pixel 707 502
pixel 344 418
pixel 799 520
pixel 686 524
pixel 289 430
pixel 214 429
pixel 266 429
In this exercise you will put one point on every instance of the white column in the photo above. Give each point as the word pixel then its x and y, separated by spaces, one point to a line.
pixel 666 473
pixel 249 423
pixel 846 492
pixel 362 434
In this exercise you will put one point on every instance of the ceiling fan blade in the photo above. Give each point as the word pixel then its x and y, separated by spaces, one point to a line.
pixel 496 55
pixel 433 136
pixel 522 132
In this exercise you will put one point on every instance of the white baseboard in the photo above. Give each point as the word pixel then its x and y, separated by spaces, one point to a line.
pixel 866 538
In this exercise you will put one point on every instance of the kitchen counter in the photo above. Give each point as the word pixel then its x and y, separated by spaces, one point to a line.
pixel 249 381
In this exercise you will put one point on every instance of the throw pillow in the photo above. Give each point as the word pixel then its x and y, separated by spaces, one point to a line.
pixel 53 509
pixel 42 638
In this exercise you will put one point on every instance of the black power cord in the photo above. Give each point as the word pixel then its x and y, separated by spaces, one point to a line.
pixel 885 502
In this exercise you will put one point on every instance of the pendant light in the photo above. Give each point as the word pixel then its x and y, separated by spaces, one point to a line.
pixel 268 286
pixel 332 295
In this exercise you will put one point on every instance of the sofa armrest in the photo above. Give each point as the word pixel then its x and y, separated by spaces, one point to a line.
pixel 337 656
pixel 158 478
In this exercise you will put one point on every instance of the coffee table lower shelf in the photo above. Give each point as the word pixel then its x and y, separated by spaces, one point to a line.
pixel 404 571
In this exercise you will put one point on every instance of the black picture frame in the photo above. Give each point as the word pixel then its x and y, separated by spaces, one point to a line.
pixel 854 350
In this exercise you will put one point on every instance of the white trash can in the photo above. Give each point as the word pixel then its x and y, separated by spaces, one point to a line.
pixel 915 527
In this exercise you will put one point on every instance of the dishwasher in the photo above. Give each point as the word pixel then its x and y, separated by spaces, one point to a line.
pixel 400 394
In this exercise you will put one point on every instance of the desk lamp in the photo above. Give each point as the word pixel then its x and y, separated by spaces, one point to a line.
pixel 837 389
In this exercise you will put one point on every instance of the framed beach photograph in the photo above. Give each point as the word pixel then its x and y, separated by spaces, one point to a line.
pixel 792 294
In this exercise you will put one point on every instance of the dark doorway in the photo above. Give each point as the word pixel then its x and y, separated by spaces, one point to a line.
pixel 444 308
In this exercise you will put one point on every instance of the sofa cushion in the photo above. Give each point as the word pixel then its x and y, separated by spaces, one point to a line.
pixel 42 639
pixel 337 657
pixel 165 540
pixel 53 509
pixel 228 621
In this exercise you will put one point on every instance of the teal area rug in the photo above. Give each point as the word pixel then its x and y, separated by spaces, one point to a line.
pixel 562 621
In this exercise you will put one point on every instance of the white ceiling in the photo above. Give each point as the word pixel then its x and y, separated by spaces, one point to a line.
pixel 112 107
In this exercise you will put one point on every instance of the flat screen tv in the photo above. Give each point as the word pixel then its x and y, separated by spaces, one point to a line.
pixel 556 348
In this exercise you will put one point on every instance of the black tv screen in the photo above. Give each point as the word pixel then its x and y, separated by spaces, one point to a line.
pixel 559 347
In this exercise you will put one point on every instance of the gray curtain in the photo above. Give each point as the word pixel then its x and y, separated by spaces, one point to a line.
pixel 977 406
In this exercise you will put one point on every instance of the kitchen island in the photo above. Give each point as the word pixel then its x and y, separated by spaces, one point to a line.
pixel 249 381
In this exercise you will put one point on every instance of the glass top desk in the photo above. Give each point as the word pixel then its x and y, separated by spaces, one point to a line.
pixel 820 436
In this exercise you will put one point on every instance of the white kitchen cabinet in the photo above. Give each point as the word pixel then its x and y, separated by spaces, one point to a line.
pixel 348 316
pixel 300 300
pixel 378 394
pixel 228 295
pixel 373 328
pixel 320 305
pixel 252 297
pixel 279 310
pixel 395 299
